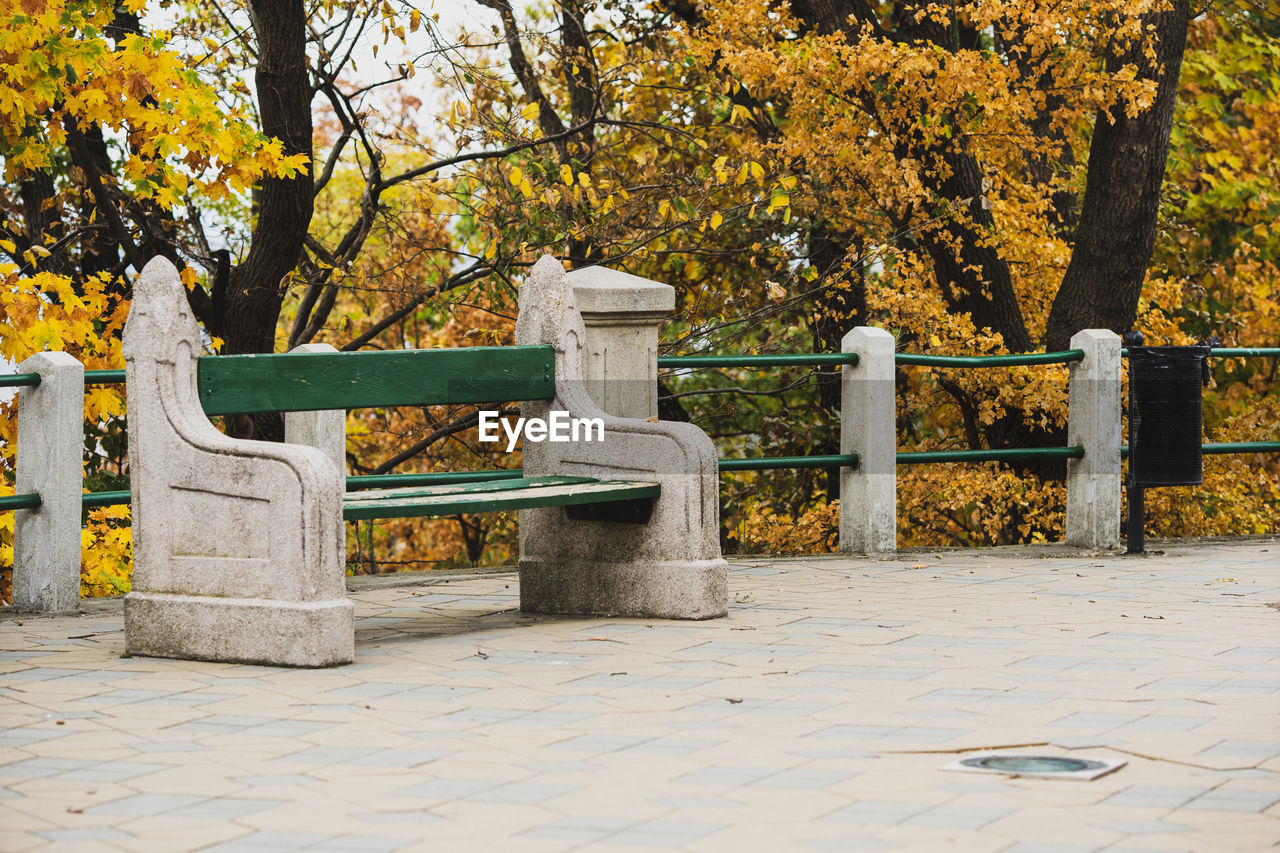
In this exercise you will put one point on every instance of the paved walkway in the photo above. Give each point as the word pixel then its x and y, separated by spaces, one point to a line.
pixel 818 716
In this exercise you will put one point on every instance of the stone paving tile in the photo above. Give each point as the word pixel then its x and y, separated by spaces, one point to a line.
pixel 1142 827
pixel 838 845
pixel 950 816
pixel 140 805
pixel 817 716
pixel 1154 796
pixel 877 812
pixel 1234 800
pixel 1245 748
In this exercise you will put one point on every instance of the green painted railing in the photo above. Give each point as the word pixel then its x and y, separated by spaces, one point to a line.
pixel 91 377
pixel 1241 447
pixel 20 380
pixel 1235 352
pixel 784 360
pixel 831 460
pixel 1014 360
pixel 819 359
pixel 378 481
pixel 109 377
pixel 27 501
pixel 104 377
pixel 112 377
pixel 1013 454
pixel 1246 352
pixel 1227 447
pixel 96 499
pixel 88 500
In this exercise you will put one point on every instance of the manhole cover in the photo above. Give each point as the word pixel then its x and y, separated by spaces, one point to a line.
pixel 1033 764
pixel 1039 766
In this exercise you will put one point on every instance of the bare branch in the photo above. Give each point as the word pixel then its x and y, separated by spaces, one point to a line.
pixel 470 274
pixel 548 120
pixel 456 426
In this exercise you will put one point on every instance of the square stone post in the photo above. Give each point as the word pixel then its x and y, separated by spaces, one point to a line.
pixel 325 429
pixel 621 313
pixel 46 540
pixel 868 427
pixel 1093 482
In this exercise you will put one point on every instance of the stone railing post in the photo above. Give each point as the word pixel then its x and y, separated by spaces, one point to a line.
pixel 622 314
pixel 325 429
pixel 868 427
pixel 1093 482
pixel 50 445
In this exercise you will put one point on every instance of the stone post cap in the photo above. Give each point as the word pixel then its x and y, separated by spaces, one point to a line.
pixel 600 290
pixel 1105 336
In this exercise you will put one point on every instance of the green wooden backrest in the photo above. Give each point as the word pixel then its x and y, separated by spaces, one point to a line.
pixel 298 382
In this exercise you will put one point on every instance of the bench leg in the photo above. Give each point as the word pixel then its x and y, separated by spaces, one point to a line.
pixel 669 568
pixel 237 545
pixel 670 589
pixel 240 630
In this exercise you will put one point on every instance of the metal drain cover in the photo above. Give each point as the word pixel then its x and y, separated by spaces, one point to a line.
pixel 1038 766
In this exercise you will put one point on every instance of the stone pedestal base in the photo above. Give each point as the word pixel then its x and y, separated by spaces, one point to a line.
pixel 676 589
pixel 240 630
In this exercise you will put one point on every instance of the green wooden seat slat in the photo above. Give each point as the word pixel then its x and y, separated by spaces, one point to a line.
pixel 464 488
pixel 296 382
pixel 603 491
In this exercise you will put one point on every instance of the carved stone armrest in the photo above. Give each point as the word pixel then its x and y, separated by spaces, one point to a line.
pixel 669 567
pixel 237 544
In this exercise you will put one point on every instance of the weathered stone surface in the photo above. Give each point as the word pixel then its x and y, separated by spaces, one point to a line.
pixel 240 630
pixel 1093 482
pixel 621 314
pixel 325 430
pixel 46 541
pixel 230 536
pixel 869 492
pixel 670 567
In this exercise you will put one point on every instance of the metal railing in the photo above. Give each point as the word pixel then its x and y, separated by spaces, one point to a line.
pixel 900 359
pixel 924 457
pixel 1027 454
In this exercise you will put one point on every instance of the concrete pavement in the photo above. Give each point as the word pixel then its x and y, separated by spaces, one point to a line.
pixel 817 716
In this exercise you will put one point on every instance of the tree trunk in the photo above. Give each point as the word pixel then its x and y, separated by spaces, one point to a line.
pixel 1122 194
pixel 974 279
pixel 254 293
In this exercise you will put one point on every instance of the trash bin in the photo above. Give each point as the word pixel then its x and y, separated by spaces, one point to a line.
pixel 1165 428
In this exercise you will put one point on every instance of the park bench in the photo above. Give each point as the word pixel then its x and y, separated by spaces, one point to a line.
pixel 323 379
pixel 239 545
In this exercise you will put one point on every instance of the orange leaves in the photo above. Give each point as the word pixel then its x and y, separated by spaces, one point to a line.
pixel 137 87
